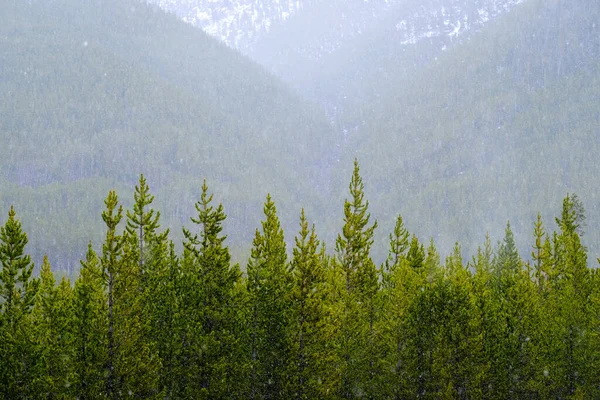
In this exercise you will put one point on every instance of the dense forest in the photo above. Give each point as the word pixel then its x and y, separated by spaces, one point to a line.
pixel 147 321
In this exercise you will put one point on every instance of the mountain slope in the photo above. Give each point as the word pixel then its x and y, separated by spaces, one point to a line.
pixel 343 52
pixel 500 128
pixel 100 91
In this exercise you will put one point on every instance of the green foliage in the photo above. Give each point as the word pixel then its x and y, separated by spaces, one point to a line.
pixel 90 346
pixel 53 325
pixel 318 326
pixel 17 294
pixel 209 314
pixel 269 287
pixel 359 300
pixel 309 330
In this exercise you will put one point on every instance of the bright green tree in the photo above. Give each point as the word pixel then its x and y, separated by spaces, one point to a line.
pixel 309 330
pixel 571 290
pixel 53 327
pixel 360 306
pixel 269 287
pixel 400 286
pixel 17 295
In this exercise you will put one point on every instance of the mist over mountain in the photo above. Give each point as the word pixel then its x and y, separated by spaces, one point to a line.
pixel 463 114
pixel 101 91
pixel 446 102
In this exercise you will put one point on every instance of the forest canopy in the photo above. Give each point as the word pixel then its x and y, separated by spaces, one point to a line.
pixel 144 320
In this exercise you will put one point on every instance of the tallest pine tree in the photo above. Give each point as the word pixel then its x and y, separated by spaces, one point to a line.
pixel 358 297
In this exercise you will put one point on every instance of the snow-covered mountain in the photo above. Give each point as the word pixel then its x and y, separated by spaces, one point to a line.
pixel 243 23
pixel 236 22
pixel 450 18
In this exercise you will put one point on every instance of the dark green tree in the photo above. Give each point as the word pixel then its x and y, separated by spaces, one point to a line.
pixel 111 261
pixel 214 302
pixel 90 345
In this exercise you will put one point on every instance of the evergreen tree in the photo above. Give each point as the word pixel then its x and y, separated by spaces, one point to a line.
pixel 142 223
pixel 163 283
pixel 17 295
pixel 308 333
pixel 142 242
pixel 570 297
pixel 398 245
pixel 215 301
pixel 269 302
pixel 517 308
pixel 90 346
pixel 53 326
pixel 541 255
pixel 112 251
pixel 400 285
pixel 359 303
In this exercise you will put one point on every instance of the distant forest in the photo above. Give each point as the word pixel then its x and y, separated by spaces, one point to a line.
pixel 144 320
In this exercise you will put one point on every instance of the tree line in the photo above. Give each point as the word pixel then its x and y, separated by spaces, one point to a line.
pixel 143 320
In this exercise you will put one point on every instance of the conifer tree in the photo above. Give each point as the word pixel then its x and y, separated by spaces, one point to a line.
pixel 214 298
pixel 269 287
pixel 487 315
pixel 17 294
pixel 89 329
pixel 541 255
pixel 571 291
pixel 112 252
pixel 138 364
pixel 53 323
pixel 308 333
pixel 398 245
pixel 517 306
pixel 359 303
pixel 142 223
pixel 142 242
pixel 163 284
pixel 400 285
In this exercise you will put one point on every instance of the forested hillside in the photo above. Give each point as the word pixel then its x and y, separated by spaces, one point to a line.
pixel 143 320
pixel 96 92
pixel 498 128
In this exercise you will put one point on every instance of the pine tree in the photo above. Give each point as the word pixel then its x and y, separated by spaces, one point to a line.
pixel 269 301
pixel 400 286
pixel 142 223
pixel 89 330
pixel 215 281
pixel 398 245
pixel 359 303
pixel 571 291
pixel 142 242
pixel 517 307
pixel 17 295
pixel 163 284
pixel 53 324
pixel 508 261
pixel 308 333
pixel 112 252
pixel 541 255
